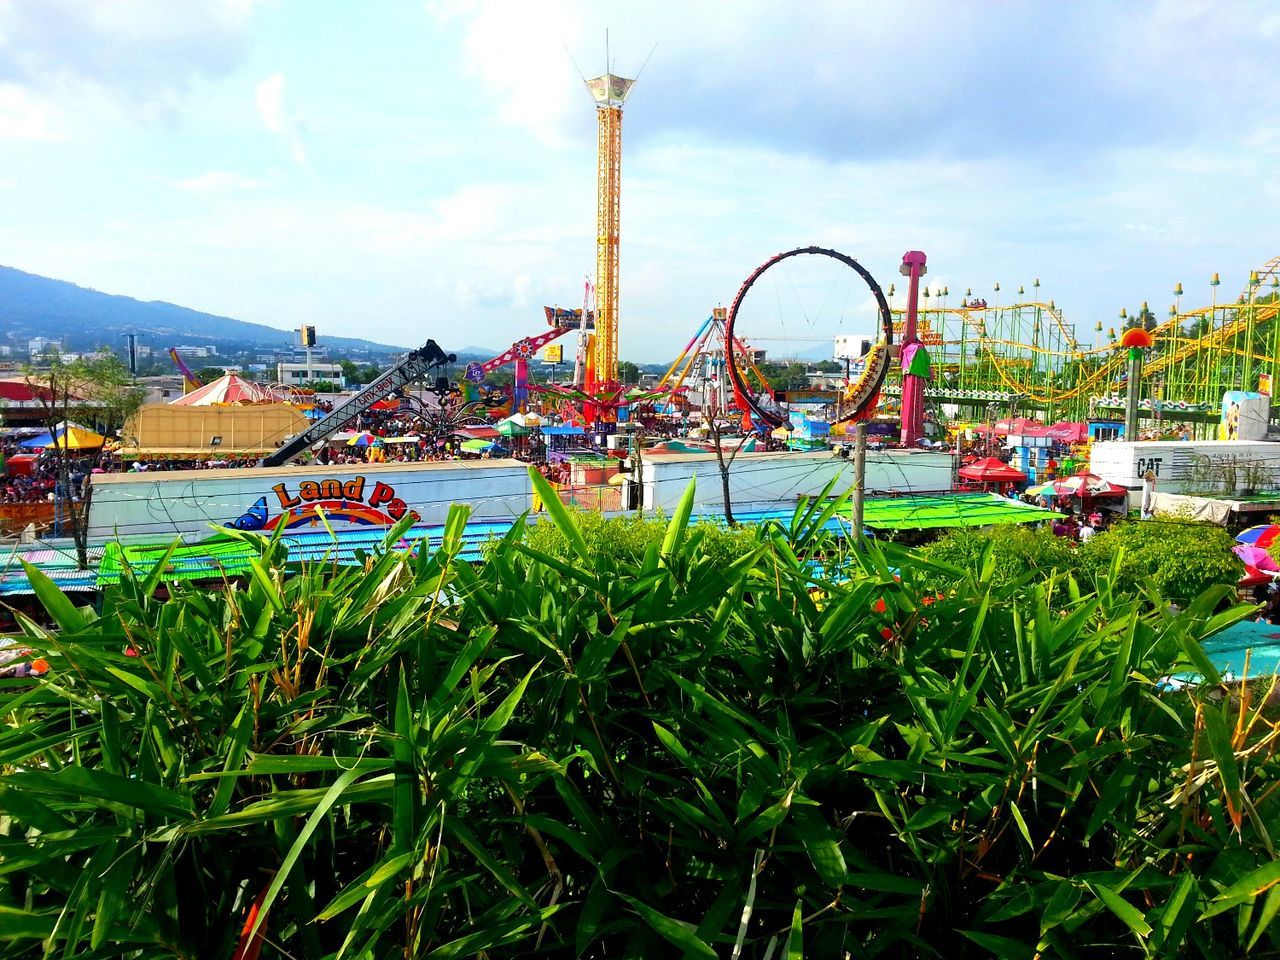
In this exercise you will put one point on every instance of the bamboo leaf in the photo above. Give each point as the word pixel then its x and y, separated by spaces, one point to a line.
pixel 1123 909
pixel 55 602
pixel 330 797
pixel 1254 882
pixel 675 932
pixel 559 515
pixel 679 520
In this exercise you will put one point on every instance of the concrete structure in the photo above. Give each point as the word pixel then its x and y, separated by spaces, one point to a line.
pixel 763 480
pixel 196 351
pixel 1189 466
pixel 298 374
pixel 193 503
pixel 39 346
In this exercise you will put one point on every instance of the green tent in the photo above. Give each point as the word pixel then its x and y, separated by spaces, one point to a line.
pixel 509 428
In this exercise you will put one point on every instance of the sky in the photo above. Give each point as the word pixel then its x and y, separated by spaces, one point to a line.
pixel 404 169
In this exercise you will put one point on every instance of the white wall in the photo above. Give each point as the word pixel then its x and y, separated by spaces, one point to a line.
pixel 759 481
pixel 1174 462
pixel 188 502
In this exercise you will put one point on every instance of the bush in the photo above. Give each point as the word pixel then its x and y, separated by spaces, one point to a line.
pixel 1180 559
pixel 1017 551
pixel 598 758
pixel 626 538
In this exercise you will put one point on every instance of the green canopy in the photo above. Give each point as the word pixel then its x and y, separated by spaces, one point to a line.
pixel 509 428
pixel 477 446
pixel 957 510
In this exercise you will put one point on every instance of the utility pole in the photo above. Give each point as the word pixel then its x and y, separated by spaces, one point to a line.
pixel 133 353
pixel 859 477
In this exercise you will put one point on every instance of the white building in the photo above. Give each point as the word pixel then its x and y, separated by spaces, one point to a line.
pixel 1189 466
pixel 39 346
pixel 297 374
pixel 190 352
pixel 762 481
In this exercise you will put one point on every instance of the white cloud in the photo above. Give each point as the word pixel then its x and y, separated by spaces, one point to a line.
pixel 24 117
pixel 144 57
pixel 216 181
pixel 281 117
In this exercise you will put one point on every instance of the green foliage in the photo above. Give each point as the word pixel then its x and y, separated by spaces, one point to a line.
pixel 786 376
pixel 628 538
pixel 210 374
pixel 1180 560
pixel 628 373
pixel 572 753
pixel 1016 550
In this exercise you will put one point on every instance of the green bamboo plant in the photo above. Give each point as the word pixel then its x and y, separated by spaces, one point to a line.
pixel 570 754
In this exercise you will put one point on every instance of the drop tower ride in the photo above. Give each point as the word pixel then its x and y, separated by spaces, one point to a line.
pixel 609 93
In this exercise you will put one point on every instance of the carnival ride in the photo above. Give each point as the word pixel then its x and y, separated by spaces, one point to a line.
pixel 189 380
pixel 609 93
pixel 768 408
pixel 519 353
pixel 702 363
pixel 1027 354
pixel 416 365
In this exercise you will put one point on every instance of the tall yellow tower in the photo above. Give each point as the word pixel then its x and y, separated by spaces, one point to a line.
pixel 609 92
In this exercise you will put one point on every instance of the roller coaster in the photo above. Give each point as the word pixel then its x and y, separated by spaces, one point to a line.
pixel 1026 354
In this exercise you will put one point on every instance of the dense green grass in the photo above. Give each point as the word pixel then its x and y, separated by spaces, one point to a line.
pixel 575 754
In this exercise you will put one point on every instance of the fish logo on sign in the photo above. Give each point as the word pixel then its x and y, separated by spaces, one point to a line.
pixel 255 518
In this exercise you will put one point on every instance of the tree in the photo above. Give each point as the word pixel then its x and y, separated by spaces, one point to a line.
pixel 367 374
pixel 210 374
pixel 1144 318
pixel 350 371
pixel 788 376
pixel 628 373
pixel 98 392
pixel 322 386
pixel 725 465
pixel 830 366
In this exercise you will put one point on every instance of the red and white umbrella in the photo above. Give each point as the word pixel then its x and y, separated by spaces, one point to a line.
pixel 1087 485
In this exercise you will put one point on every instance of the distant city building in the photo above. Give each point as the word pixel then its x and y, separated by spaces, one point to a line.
pixel 296 374
pixel 39 346
pixel 196 352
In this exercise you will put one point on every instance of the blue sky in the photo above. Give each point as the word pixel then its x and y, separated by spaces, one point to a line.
pixel 404 170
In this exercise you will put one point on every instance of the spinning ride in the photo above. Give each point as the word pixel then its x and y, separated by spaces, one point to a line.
pixel 702 362
pixel 749 331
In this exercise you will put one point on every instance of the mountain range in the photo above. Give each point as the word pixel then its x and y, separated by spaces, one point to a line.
pixel 83 318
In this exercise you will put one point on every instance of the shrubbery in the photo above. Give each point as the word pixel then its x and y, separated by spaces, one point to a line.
pixel 1179 559
pixel 626 538
pixel 583 756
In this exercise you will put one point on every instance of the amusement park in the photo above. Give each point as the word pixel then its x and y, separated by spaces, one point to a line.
pixel 888 617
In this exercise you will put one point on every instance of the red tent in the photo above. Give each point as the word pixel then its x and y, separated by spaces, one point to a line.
pixel 228 389
pixel 1018 426
pixel 1066 431
pixel 991 470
